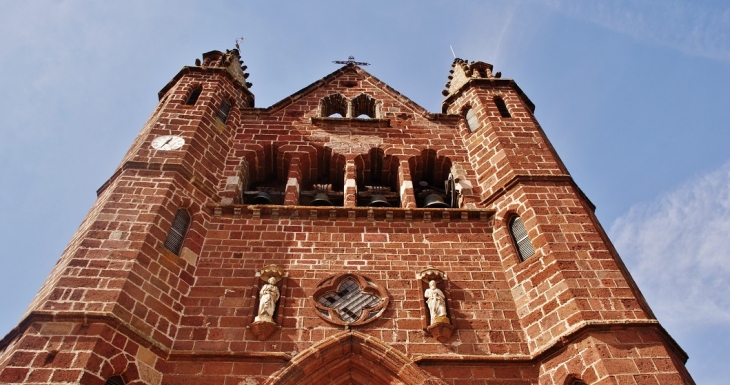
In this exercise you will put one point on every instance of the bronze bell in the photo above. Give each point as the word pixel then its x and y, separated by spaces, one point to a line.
pixel 321 199
pixel 378 200
pixel 435 201
pixel 262 198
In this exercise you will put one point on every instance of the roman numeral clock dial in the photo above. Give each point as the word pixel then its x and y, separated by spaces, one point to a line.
pixel 167 142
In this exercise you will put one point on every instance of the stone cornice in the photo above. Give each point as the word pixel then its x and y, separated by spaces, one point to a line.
pixel 525 178
pixel 577 332
pixel 113 321
pixel 353 213
pixel 173 167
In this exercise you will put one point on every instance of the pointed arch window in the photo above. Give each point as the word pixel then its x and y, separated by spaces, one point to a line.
pixel 503 111
pixel 471 120
pixel 521 239
pixel 115 380
pixel 223 111
pixel 176 235
pixel 193 98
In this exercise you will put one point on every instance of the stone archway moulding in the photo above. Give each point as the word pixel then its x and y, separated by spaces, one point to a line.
pixel 347 356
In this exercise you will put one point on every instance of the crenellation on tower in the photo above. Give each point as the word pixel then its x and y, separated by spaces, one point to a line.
pixel 344 235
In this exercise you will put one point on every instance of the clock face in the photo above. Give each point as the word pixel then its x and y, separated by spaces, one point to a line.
pixel 167 142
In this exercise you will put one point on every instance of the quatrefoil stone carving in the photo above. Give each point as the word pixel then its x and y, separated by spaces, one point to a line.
pixel 349 299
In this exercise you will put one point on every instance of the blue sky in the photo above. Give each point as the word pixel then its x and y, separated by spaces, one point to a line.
pixel 633 95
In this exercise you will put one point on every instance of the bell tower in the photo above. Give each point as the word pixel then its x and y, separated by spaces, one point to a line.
pixel 343 235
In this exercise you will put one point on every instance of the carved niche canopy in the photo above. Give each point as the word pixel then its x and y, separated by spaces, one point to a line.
pixel 349 300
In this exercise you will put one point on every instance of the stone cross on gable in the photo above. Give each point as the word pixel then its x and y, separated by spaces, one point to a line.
pixel 350 60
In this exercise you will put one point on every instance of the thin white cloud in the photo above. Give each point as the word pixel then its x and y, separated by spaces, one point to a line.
pixel 692 27
pixel 506 24
pixel 678 250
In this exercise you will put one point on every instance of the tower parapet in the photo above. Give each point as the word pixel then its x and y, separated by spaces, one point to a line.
pixel 462 71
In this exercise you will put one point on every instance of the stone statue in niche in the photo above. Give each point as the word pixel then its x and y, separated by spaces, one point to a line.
pixel 439 324
pixel 268 296
pixel 436 303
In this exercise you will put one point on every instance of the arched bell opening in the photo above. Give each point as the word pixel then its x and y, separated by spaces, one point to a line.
pixel 364 106
pixel 433 185
pixel 333 106
pixel 323 176
pixel 377 179
pixel 265 181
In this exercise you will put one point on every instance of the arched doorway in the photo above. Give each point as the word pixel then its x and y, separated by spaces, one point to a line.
pixel 352 358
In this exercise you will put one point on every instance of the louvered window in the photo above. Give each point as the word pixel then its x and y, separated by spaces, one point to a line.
pixel 193 98
pixel 519 234
pixel 471 120
pixel 223 111
pixel 503 111
pixel 176 236
pixel 116 380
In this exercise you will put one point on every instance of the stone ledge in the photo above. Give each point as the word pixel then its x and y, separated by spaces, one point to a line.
pixel 226 356
pixel 85 318
pixel 350 122
pixel 178 168
pixel 352 214
pixel 578 331
pixel 563 179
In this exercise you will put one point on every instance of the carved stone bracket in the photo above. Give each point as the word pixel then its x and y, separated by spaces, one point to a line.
pixel 441 329
pixel 263 329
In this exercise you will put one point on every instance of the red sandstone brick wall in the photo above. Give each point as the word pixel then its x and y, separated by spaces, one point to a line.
pixel 118 302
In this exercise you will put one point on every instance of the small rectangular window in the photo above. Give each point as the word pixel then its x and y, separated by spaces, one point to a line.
pixel 193 98
pixel 176 235
pixel 223 111
pixel 522 240
pixel 471 120
pixel 503 111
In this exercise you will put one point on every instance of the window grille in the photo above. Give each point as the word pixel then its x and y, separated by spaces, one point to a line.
pixel 116 380
pixel 349 301
pixel 471 120
pixel 176 236
pixel 193 98
pixel 502 107
pixel 519 234
pixel 223 111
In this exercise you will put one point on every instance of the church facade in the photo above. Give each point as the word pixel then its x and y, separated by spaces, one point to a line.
pixel 343 235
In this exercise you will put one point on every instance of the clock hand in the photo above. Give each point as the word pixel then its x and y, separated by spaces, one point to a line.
pixel 165 144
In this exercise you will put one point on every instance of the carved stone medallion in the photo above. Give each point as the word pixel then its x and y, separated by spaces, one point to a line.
pixel 349 300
